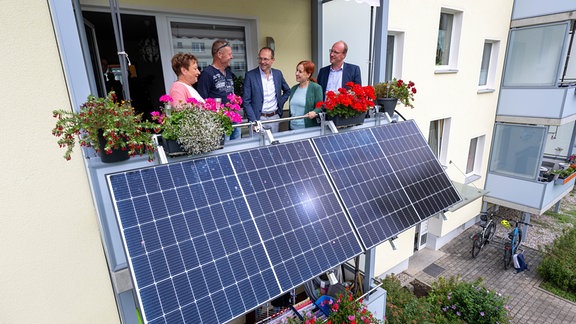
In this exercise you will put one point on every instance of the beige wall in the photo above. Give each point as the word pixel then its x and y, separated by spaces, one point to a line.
pixel 288 22
pixel 52 266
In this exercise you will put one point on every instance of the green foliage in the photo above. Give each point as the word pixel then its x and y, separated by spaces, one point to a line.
pixel 455 301
pixel 558 267
pixel 402 306
pixel 121 128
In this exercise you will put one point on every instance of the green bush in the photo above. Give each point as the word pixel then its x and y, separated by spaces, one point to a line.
pixel 457 301
pixel 558 267
pixel 402 306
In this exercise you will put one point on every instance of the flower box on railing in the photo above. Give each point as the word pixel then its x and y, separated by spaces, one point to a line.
pixel 563 181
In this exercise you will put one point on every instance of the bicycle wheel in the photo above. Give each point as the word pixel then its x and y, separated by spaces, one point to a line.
pixel 476 245
pixel 490 231
pixel 507 255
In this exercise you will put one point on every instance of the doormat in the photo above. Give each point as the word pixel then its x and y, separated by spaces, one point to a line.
pixel 433 270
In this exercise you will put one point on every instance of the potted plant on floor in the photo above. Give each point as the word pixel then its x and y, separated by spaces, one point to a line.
pixel 111 127
pixel 389 93
pixel 348 106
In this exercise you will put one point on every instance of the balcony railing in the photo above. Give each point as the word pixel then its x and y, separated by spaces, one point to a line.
pixel 543 106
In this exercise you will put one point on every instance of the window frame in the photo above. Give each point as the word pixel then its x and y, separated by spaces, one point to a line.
pixel 490 85
pixel 477 150
pixel 454 45
pixel 443 133
pixel 395 63
pixel 163 23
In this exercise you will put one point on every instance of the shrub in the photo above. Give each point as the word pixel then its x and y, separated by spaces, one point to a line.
pixel 558 267
pixel 402 306
pixel 457 301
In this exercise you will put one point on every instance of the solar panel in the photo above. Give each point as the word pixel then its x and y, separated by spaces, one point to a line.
pixel 215 237
pixel 417 169
pixel 388 178
pixel 297 212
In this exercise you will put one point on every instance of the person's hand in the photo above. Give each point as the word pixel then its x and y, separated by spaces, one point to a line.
pixel 312 114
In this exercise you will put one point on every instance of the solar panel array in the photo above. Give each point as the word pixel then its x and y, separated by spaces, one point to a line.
pixel 215 237
pixel 212 238
pixel 388 179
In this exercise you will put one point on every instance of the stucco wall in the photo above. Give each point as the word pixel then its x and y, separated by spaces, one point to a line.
pixel 52 266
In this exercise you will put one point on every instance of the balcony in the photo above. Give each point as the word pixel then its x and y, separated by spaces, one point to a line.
pixel 540 106
pixel 530 196
pixel 527 9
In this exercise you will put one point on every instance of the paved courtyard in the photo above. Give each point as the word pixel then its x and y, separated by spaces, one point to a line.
pixel 528 303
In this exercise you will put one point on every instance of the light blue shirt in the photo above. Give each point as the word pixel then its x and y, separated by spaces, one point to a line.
pixel 297 107
pixel 335 79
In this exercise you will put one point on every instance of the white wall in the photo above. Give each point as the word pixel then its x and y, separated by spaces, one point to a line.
pixel 52 268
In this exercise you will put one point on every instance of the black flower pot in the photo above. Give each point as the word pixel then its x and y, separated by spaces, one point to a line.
pixel 388 105
pixel 117 155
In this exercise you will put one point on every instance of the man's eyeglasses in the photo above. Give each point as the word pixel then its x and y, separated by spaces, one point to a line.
pixel 222 46
pixel 335 52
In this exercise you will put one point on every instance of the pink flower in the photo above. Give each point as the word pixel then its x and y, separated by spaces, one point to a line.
pixel 166 98
pixel 192 101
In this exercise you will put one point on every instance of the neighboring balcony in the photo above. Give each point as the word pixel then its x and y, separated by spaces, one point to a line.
pixel 521 171
pixel 540 106
pixel 530 196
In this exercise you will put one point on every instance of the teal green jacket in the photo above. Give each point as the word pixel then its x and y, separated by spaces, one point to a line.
pixel 313 95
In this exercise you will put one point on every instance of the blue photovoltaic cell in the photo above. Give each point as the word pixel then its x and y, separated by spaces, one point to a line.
pixel 423 178
pixel 296 211
pixel 382 181
pixel 212 238
pixel 215 237
pixel 188 234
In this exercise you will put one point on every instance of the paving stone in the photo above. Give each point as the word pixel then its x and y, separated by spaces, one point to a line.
pixel 528 303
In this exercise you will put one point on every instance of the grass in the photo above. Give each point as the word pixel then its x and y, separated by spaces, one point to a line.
pixel 568 217
pixel 557 291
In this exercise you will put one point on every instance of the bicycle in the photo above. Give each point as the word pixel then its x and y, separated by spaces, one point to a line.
pixel 515 236
pixel 485 235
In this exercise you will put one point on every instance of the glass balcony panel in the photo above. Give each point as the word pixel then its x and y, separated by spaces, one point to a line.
pixel 517 150
pixel 535 55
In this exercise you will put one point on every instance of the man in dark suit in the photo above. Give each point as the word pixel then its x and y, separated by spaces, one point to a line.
pixel 265 90
pixel 335 75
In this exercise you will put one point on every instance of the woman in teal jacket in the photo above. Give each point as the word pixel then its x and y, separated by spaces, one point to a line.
pixel 304 96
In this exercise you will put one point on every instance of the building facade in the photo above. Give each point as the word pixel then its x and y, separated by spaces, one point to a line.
pixel 63 261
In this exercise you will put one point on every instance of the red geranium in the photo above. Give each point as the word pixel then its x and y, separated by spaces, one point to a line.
pixel 348 102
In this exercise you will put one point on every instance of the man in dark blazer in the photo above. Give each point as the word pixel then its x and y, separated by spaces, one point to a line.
pixel 265 90
pixel 338 73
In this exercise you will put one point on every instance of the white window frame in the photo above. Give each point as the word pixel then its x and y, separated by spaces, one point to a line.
pixel 443 140
pixel 398 54
pixel 452 66
pixel 490 85
pixel 163 22
pixel 198 47
pixel 478 151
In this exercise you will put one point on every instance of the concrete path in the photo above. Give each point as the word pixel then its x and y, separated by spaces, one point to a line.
pixel 528 303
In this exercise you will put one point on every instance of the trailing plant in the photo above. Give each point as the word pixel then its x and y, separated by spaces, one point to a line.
pixel 398 89
pixel 116 121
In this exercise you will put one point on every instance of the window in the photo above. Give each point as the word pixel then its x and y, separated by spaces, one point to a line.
pixel 534 55
pixel 198 47
pixel 394 47
pixel 517 150
pixel 201 35
pixel 474 163
pixel 488 66
pixel 179 45
pixel 448 40
pixel 438 138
